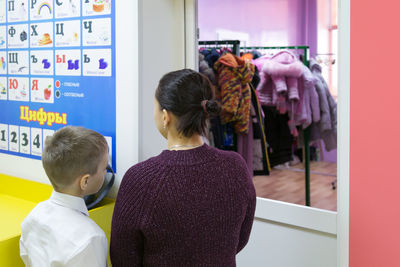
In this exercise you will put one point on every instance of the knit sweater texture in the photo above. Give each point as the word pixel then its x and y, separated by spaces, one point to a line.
pixel 183 208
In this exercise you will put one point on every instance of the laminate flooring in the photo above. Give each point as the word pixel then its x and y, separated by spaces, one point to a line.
pixel 289 185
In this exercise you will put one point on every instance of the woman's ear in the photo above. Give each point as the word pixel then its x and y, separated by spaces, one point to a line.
pixel 84 181
pixel 166 117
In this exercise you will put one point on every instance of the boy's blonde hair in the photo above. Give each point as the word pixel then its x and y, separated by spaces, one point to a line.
pixel 72 152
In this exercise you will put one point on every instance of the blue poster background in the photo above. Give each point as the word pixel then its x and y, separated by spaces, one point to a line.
pixel 87 101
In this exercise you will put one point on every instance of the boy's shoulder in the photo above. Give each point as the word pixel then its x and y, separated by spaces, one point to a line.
pixel 64 223
pixel 61 233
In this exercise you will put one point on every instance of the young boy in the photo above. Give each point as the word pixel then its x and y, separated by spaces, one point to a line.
pixel 58 231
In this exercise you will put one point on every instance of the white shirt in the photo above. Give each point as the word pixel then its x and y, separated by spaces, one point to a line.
pixel 58 232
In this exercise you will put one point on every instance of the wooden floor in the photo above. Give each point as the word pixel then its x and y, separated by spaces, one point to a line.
pixel 289 186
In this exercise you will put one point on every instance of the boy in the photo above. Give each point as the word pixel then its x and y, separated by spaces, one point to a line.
pixel 58 231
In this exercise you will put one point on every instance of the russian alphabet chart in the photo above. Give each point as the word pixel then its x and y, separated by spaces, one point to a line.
pixel 57 68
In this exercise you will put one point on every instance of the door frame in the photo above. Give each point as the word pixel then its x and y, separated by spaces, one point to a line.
pixel 343 133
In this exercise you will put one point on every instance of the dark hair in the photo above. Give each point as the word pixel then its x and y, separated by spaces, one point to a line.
pixel 182 92
pixel 71 152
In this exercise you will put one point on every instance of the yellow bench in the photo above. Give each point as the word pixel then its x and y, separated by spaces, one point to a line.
pixel 17 199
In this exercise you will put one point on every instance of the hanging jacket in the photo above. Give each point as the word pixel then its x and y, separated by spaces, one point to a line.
pixel 205 69
pixel 260 122
pixel 259 126
pixel 259 62
pixel 211 56
pixel 234 76
pixel 288 85
pixel 279 77
pixel 309 110
pixel 328 122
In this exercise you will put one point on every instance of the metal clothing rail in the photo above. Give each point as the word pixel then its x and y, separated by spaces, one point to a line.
pixel 301 47
pixel 275 47
pixel 218 43
pixel 307 130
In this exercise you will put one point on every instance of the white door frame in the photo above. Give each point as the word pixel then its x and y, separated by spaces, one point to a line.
pixel 191 25
pixel 343 133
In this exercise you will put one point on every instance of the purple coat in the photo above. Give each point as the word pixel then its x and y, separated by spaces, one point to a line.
pixel 327 127
pixel 310 110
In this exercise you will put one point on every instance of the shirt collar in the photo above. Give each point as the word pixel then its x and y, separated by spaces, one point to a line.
pixel 72 202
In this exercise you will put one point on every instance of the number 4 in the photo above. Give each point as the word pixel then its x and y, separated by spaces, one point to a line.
pixel 36 141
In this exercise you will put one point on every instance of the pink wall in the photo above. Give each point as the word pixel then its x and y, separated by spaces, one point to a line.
pixel 374 135
pixel 268 22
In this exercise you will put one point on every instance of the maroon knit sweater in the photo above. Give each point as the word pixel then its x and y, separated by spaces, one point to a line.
pixel 183 208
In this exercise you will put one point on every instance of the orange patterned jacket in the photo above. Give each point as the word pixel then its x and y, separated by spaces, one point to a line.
pixel 234 76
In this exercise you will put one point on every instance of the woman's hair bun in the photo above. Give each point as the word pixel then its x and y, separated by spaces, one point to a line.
pixel 213 107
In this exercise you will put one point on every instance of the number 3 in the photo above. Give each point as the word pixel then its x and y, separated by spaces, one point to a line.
pixel 25 139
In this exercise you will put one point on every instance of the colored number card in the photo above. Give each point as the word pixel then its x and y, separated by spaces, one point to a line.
pixel 57 68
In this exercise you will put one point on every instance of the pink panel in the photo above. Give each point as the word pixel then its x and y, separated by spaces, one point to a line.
pixel 374 134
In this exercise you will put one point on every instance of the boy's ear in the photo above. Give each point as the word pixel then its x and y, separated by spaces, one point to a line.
pixel 83 181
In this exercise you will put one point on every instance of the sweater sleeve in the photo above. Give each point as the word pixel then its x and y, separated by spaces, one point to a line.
pixel 250 198
pixel 127 239
pixel 247 224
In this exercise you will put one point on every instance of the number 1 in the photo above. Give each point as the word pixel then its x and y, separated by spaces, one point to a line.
pixel 3 135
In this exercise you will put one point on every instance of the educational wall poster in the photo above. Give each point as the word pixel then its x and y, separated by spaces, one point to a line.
pixel 57 68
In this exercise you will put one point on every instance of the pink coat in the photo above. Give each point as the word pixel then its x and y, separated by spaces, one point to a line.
pixel 279 77
pixel 288 84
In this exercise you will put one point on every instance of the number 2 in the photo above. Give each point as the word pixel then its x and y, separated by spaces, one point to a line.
pixel 14 137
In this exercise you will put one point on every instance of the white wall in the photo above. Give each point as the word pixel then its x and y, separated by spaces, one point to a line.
pixel 29 169
pixel 162 49
pixel 288 235
pixel 276 244
pixel 127 87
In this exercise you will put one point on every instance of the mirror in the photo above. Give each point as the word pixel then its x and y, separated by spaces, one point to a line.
pixel 290 142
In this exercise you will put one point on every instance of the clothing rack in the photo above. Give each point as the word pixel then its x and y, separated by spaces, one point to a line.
pixel 306 62
pixel 218 43
pixel 235 46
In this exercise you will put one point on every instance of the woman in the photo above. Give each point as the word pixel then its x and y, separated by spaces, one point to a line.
pixel 192 205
